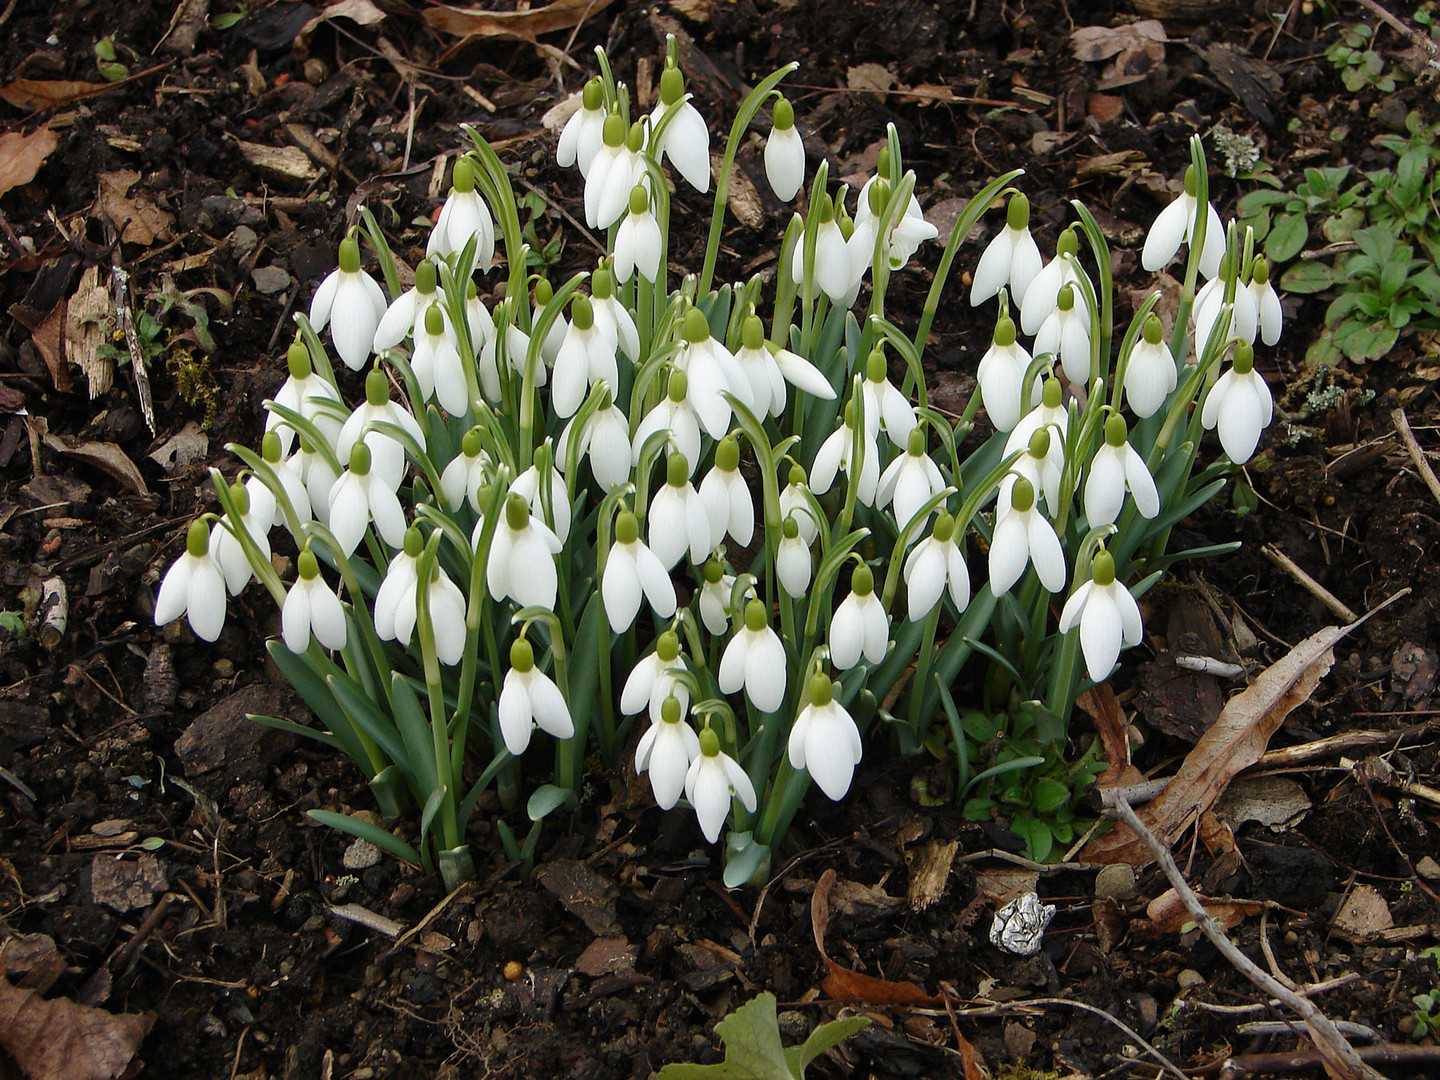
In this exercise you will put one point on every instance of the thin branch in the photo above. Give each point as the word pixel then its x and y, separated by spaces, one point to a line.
pixel 1417 455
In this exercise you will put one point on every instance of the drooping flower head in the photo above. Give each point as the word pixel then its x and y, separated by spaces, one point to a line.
pixel 825 740
pixel 666 751
pixel 678 519
pixel 1043 294
pixel 530 699
pixel 311 608
pixel 655 678
pixel 713 780
pixel 1107 615
pixel 937 563
pixel 584 133
pixel 1066 332
pixel 859 627
pixel 638 244
pixel 305 392
pixel 784 152
pixel 1240 405
pixel 194 586
pixel 1000 374
pixel 256 506
pixel 1116 468
pixel 633 570
pixel 1150 375
pixel 352 304
pixel 727 497
pixel 1011 260
pixel 522 557
pixel 755 660
pixel 1175 225
pixel 1267 300
pixel 686 137
pixel 1022 537
pixel 361 495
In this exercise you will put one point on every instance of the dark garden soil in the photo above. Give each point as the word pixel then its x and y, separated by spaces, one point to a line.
pixel 155 854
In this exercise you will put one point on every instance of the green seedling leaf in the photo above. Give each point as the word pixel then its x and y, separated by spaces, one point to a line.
pixel 752 1047
pixel 1286 238
pixel 547 798
pixel 1308 277
pixel 823 1038
pixel 381 838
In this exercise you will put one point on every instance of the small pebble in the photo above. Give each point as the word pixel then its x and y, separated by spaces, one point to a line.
pixel 360 855
pixel 1428 869
pixel 513 970
pixel 1189 978
pixel 1116 881
pixel 271 279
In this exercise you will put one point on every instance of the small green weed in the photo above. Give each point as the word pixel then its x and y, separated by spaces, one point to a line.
pixel 753 1050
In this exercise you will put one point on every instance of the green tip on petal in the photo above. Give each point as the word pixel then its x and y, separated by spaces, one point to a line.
pixel 241 497
pixel 635 138
pixel 1040 443
pixel 820 691
pixel 1065 298
pixel 1102 568
pixel 582 314
pixel 544 291
pixel 594 95
pixel 307 566
pixel 614 132
pixel 522 655
pixel 434 320
pixel 270 447
pixel 1154 330
pixel 679 386
pixel 677 470
pixel 377 388
pixel 426 278
pixel 1115 432
pixel 602 283
pixel 197 538
pixel 783 113
pixel 709 743
pixel 850 414
pixel 639 199
pixel 882 163
pixel 878 196
pixel 755 616
pixel 862 580
pixel 1192 182
pixel 672 85
pixel 627 528
pixel 944 527
pixel 752 332
pixel 1260 270
pixel 797 475
pixel 470 444
pixel 360 459
pixel 462 177
pixel 1051 393
pixel 1244 358
pixel 667 646
pixel 414 542
pixel 1069 242
pixel 727 454
pixel 713 572
pixel 349 255
pixel 823 209
pixel 875 367
pixel 517 511
pixel 915 444
pixel 1017 214
pixel 696 328
pixel 670 710
pixel 790 527
pixel 297 359
pixel 1022 495
pixel 1005 332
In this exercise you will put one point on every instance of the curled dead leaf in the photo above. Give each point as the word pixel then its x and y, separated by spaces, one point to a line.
pixel 842 984
pixel 481 22
pixel 1168 915
pixel 141 221
pixel 35 94
pixel 60 1040
pixel 22 155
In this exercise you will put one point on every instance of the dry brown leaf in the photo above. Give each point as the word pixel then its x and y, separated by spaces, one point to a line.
pixel 105 456
pixel 480 22
pixel 59 1040
pixel 743 200
pixel 1168 915
pixel 870 77
pixel 362 12
pixel 283 162
pixel 141 221
pixel 842 984
pixel 22 155
pixel 33 94
pixel 85 319
pixel 1101 705
pixel 1137 49
pixel 1232 744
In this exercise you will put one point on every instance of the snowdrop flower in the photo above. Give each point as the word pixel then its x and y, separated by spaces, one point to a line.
pixel 586 356
pixel 910 481
pixel 194 586
pixel 1240 404
pixel 319 476
pixel 631 569
pixel 1267 301
pixel 606 440
pixel 612 314
pixel 311 607
pixel 860 626
pixel 461 481
pixel 1000 374
pixel 463 216
pixel 517 351
pixel 529 699
pixel 1043 294
pixel 1011 260
pixel 767 368
pixel 1107 615
pixel 350 301
pixel 584 133
pixel 832 255
pixel 360 496
pixel 306 393
pixel 638 244
pixel 1066 333
pixel 714 778
pixel 907 232
pixel 408 310
pixel 1116 468
pixel 655 679
pixel 1210 302
pixel 394 604
pixel 437 365
pixel 792 559
pixel 835 454
pixel 886 408
pixel 755 660
pixel 676 418
pixel 686 138
pixel 825 740
pixel 615 170
pixel 1175 225
pixel 796 502
pixel 553 509
pixel 292 480
pixel 554 337
pixel 716 589
pixel 726 497
pixel 666 750
pixel 712 372
pixel 522 557
pixel 1040 466
pixel 1021 537
pixel 256 504
pixel 937 563
pixel 1050 413
pixel 784 152
pixel 677 518
pixel 388 454
pixel 1150 375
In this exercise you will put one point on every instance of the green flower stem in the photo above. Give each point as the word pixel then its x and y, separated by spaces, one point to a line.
pixel 263 570
pixel 356 666
pixel 748 108
pixel 435 692
pixel 857 455
pixel 1179 339
pixel 1100 343
pixel 261 468
pixel 319 359
pixel 381 247
pixel 782 803
pixel 494 183
pixel 922 668
pixel 533 360
pixel 780 325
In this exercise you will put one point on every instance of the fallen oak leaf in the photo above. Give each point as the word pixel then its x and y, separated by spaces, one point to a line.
pixel 1168 915
pixel 34 94
pixel 60 1040
pixel 480 22
pixel 22 155
pixel 140 219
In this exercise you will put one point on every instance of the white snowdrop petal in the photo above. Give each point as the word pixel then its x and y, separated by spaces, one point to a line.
pixel 205 603
pixel 1070 613
pixel 1009 554
pixel 551 712
pixel 785 162
pixel 324 300
pixel 1100 635
pixel 620 588
pixel 765 671
pixel 655 582
pixel 1104 488
pixel 992 272
pixel 1141 484
pixel 1166 235
pixel 327 618
pixel 847 635
pixel 958 575
pixel 447 623
pixel 295 619
pixel 795 746
pixel 731 676
pixel 1046 553
pixel 635 695
pixel 924 578
pixel 877 629
pixel 740 782
pixel 515 714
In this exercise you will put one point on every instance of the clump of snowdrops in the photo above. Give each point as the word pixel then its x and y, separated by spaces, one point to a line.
pixel 720 534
